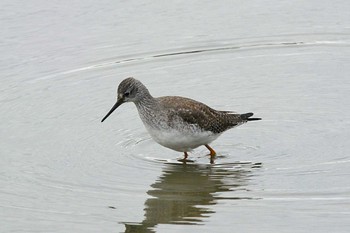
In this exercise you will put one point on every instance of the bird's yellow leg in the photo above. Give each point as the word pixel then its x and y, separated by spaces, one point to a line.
pixel 212 151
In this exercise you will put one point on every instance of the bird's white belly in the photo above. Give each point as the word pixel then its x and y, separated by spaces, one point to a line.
pixel 181 141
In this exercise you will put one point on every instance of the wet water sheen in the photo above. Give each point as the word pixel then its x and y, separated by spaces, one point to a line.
pixel 62 170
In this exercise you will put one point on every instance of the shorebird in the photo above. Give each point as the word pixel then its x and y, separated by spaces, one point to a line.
pixel 175 122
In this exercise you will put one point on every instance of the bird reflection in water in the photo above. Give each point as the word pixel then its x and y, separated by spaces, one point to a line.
pixel 184 193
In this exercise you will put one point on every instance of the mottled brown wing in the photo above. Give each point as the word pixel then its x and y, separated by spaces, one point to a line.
pixel 194 112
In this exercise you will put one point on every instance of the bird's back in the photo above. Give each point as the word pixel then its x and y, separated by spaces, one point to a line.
pixel 197 113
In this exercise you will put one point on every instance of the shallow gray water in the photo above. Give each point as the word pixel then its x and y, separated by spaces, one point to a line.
pixel 62 170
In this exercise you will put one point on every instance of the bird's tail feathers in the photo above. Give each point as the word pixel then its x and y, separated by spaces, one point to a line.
pixel 246 117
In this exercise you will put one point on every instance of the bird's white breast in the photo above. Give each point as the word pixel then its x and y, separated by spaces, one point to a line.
pixel 174 134
pixel 179 140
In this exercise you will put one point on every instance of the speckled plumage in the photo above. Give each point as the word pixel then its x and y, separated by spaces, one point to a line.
pixel 194 112
pixel 178 123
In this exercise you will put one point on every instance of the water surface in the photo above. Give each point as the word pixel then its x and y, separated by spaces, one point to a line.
pixel 62 170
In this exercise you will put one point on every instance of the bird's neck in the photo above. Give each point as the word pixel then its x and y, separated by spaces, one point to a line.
pixel 148 108
pixel 146 102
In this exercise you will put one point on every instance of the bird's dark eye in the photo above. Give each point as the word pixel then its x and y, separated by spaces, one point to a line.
pixel 126 94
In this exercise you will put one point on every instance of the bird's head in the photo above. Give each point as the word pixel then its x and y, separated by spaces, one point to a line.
pixel 129 90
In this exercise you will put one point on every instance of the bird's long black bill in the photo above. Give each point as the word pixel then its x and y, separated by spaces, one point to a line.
pixel 116 105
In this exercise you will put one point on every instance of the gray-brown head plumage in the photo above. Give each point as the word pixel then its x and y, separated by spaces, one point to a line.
pixel 132 90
